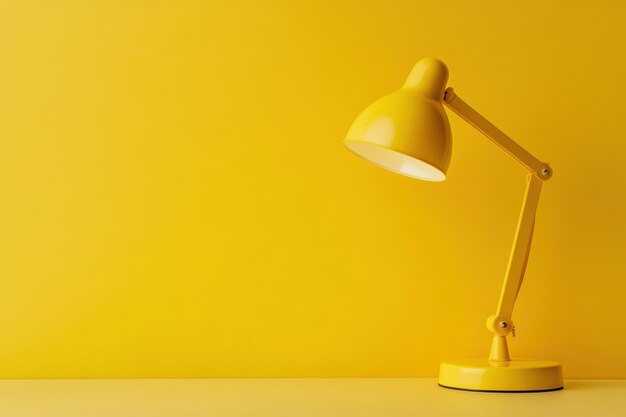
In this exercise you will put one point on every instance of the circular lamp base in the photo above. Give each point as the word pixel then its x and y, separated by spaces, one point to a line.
pixel 519 375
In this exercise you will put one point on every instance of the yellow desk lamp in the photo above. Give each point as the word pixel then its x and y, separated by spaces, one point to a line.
pixel 408 132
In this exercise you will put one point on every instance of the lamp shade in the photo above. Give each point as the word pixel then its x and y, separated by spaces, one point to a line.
pixel 407 131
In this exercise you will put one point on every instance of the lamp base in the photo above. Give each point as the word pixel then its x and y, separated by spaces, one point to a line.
pixel 519 375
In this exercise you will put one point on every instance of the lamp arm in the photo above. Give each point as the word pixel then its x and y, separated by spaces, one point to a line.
pixel 518 258
pixel 471 116
pixel 500 323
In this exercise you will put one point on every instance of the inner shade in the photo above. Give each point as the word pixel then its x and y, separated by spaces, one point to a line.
pixel 395 161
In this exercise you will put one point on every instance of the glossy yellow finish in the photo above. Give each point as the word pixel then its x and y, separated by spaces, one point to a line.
pixel 401 131
pixel 498 372
pixel 499 349
pixel 176 200
pixel 408 131
pixel 521 375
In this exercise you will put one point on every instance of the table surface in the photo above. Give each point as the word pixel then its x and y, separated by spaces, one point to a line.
pixel 386 397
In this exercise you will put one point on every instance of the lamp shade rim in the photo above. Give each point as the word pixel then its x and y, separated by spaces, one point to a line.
pixel 429 172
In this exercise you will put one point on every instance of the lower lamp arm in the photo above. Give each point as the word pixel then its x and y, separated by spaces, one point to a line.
pixel 521 248
pixel 500 323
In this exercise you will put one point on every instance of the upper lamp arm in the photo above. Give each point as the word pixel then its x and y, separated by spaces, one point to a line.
pixel 471 116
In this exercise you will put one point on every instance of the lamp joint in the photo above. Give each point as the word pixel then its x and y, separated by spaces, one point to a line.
pixel 500 325
pixel 544 172
pixel 449 95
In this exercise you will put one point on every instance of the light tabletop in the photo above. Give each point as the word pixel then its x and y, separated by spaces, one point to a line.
pixel 388 397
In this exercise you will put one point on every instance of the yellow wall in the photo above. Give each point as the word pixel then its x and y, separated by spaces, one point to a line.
pixel 176 200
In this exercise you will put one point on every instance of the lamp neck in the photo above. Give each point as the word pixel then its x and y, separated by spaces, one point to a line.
pixel 499 350
pixel 429 76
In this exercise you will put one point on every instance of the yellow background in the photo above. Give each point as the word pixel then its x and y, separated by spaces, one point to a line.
pixel 176 200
